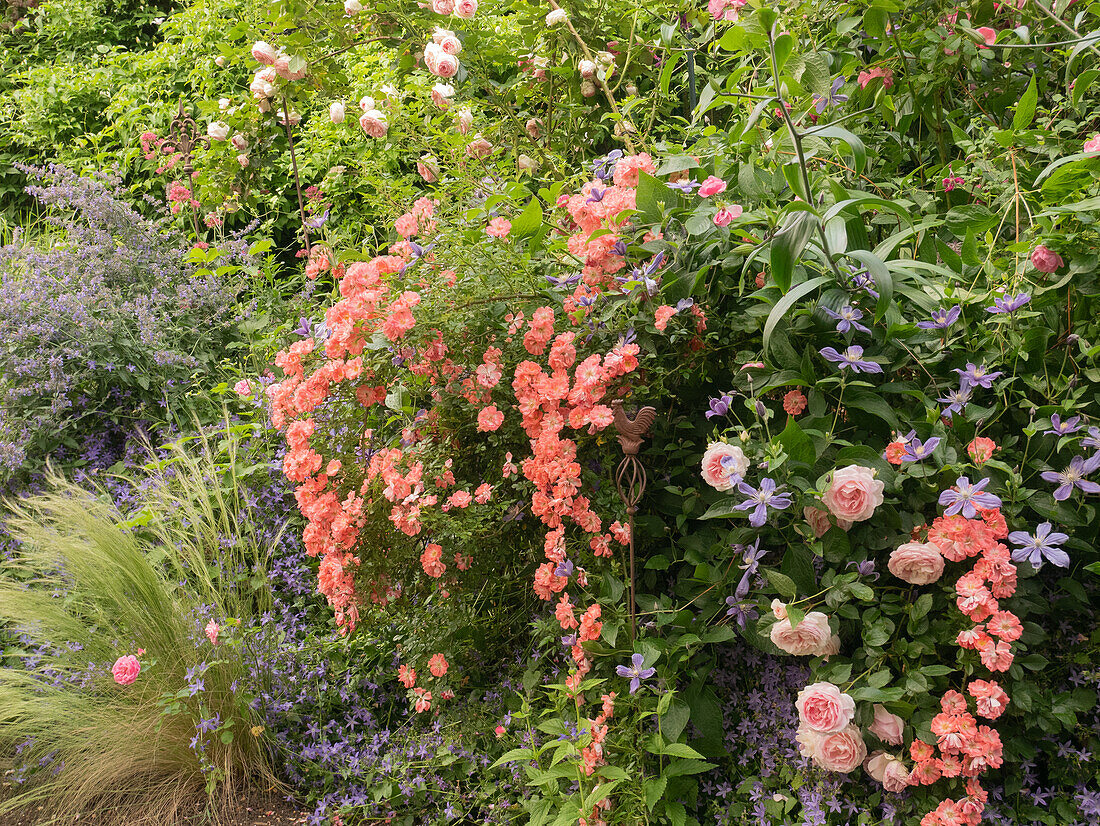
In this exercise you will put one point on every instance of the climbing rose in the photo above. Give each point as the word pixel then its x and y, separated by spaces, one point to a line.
pixel 465 9
pixel 374 123
pixel 918 563
pixel 712 186
pixel 264 53
pixel 824 708
pixel 853 493
pixel 981 449
pixel 717 473
pixel 887 727
pixel 841 751
pixel 217 130
pixel 1046 260
pixel 336 111
pixel 1093 143
pixel 811 637
pixel 556 17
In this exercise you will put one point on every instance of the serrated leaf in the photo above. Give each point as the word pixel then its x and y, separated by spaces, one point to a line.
pixel 782 583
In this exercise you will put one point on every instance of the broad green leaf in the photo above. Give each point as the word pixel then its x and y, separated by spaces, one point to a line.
pixel 782 583
pixel 855 145
pixel 787 245
pixel 654 789
pixel 779 311
pixel 529 220
pixel 1025 109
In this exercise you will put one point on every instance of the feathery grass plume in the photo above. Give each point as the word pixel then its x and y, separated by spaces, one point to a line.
pixel 90 586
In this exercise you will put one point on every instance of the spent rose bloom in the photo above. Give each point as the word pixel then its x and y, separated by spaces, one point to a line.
pixel 810 637
pixel 587 68
pixel 887 727
pixel 918 563
pixel 263 53
pixel 1046 260
pixel 841 751
pixel 217 130
pixel 712 186
pixel 126 669
pixel 895 778
pixel 853 493
pixel 721 463
pixel 824 707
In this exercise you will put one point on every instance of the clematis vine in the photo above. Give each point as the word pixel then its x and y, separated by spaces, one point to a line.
pixel 635 672
pixel 759 501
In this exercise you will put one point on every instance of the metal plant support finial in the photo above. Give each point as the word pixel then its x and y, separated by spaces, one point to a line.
pixel 630 479
pixel 183 137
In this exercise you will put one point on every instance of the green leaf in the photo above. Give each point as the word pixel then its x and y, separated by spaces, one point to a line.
pixel 921 607
pixel 674 720
pixel 529 220
pixel 512 756
pixel 787 301
pixel 722 509
pixel 873 403
pixel 653 198
pixel 1025 109
pixel 884 282
pixel 681 750
pixel 678 768
pixel 654 789
pixel 855 145
pixel 782 583
pixel 787 245
pixel 799 446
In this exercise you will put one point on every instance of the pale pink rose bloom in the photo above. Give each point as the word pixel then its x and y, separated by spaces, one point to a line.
pixel 219 61
pixel 374 123
pixel 465 9
pixel 217 130
pixel 809 741
pixel 712 186
pixel 1046 260
pixel 876 764
pixel 918 563
pixel 809 638
pixel 853 493
pixel 366 103
pixel 211 632
pixel 443 6
pixel 243 388
pixel 240 143
pixel 242 159
pixel 427 169
pixel 442 94
pixel 887 727
pixel 1093 143
pixel 587 69
pixel 450 43
pixel 263 84
pixel 446 66
pixel 895 778
pixel 830 648
pixel 527 164
pixel 841 751
pixel 988 35
pixel 588 88
pixel 817 519
pixel 352 7
pixel 465 120
pixel 718 475
pixel 263 53
pixel 555 17
pixel 479 148
pixel 126 669
pixel 779 609
pixel 824 707
pixel 336 112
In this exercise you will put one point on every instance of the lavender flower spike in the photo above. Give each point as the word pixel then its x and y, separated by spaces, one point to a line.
pixel 852 357
pixel 967 498
pixel 1074 477
pixel 635 672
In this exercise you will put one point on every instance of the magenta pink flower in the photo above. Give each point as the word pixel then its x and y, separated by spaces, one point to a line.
pixel 712 186
pixel 126 669
pixel 1046 260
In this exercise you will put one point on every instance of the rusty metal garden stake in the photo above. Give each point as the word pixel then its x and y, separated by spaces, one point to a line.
pixel 630 479
pixel 183 136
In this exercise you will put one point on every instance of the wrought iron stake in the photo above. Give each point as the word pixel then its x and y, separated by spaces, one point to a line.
pixel 630 479
pixel 183 136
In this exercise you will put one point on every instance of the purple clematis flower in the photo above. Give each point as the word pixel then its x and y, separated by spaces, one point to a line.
pixel 1008 303
pixel 564 281
pixel 955 400
pixel 684 186
pixel 740 611
pixel 915 451
pixel 1060 428
pixel 1093 439
pixel 318 221
pixel 852 357
pixel 969 497
pixel 750 564
pixel 303 328
pixel 635 672
pixel 941 319
pixel 865 568
pixel 619 248
pixel 760 500
pixel 847 318
pixel 821 103
pixel 1074 477
pixel 1042 546
pixel 974 376
pixel 565 568
pixel 719 406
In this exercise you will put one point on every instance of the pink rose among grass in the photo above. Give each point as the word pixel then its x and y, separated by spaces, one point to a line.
pixel 918 563
pixel 811 637
pixel 1046 260
pixel 126 669
pixel 853 493
pixel 824 707
pixel 211 630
